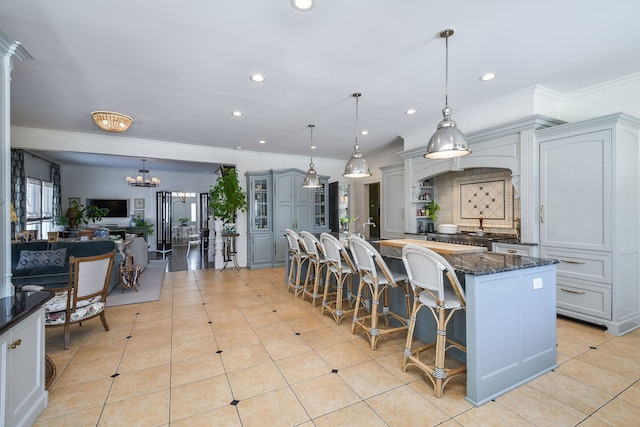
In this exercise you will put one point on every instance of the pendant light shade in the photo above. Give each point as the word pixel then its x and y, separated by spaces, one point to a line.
pixel 311 179
pixel 357 166
pixel 448 141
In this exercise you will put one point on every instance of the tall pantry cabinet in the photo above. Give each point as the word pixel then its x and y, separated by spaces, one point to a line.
pixel 589 218
pixel 278 201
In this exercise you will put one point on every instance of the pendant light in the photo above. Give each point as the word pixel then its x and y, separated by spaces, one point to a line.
pixel 357 167
pixel 311 179
pixel 448 141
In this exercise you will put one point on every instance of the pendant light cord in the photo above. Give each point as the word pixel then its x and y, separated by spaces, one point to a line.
pixel 446 72
pixel 311 146
pixel 357 96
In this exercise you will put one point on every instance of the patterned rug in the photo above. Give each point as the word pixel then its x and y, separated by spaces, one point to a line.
pixel 149 289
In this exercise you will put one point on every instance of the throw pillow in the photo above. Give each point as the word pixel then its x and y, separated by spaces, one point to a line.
pixel 33 259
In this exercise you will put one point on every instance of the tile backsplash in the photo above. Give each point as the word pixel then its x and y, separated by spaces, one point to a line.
pixel 466 196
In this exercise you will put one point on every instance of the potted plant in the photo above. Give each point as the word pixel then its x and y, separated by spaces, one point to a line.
pixel 83 214
pixel 432 213
pixel 143 223
pixel 61 223
pixel 227 197
pixel 183 221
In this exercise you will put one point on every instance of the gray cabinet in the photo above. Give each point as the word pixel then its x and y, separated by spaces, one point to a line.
pixel 278 201
pixel 392 206
pixel 589 202
pixel 260 217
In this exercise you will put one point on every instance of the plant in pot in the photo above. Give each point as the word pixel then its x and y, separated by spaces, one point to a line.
pixel 61 223
pixel 432 213
pixel 227 198
pixel 83 214
pixel 183 221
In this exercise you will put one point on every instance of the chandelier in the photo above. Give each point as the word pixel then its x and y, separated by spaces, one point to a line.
pixel 143 179
pixel 112 122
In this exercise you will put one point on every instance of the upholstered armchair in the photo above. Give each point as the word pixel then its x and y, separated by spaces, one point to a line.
pixel 85 295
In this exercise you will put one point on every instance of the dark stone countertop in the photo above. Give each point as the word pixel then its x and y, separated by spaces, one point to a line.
pixel 481 263
pixel 15 308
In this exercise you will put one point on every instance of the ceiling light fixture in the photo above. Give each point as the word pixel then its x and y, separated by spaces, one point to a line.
pixel 448 141
pixel 410 111
pixel 143 180
pixel 303 5
pixel 311 179
pixel 236 113
pixel 111 121
pixel 356 167
pixel 488 76
pixel 258 78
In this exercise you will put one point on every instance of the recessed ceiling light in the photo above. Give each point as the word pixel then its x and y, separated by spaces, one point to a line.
pixel 258 78
pixel 410 111
pixel 303 5
pixel 236 113
pixel 238 148
pixel 262 141
pixel 364 132
pixel 313 147
pixel 488 76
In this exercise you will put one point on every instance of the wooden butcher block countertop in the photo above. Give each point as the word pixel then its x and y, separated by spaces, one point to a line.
pixel 439 247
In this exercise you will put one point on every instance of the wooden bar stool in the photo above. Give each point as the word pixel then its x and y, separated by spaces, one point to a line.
pixel 341 269
pixel 299 258
pixel 425 270
pixel 376 276
pixel 317 261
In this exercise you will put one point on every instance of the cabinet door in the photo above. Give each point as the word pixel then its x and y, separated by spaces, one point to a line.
pixel 392 217
pixel 261 250
pixel 575 191
pixel 25 371
pixel 260 198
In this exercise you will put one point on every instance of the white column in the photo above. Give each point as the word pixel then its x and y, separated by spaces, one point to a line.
pixel 9 49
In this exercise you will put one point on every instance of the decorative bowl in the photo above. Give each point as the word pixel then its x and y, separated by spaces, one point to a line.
pixel 447 228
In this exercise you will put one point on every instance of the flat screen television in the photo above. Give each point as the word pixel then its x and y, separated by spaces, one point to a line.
pixel 118 208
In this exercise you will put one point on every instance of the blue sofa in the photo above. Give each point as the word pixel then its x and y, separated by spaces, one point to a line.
pixel 51 270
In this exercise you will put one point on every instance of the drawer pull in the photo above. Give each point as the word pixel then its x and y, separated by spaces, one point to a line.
pixel 572 292
pixel 14 344
pixel 512 251
pixel 572 262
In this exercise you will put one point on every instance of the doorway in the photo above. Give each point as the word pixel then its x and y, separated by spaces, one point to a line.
pixel 374 210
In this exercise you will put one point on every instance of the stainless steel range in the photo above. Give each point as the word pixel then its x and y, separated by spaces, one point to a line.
pixel 460 239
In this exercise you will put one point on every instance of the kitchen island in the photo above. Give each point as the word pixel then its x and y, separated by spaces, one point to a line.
pixel 509 327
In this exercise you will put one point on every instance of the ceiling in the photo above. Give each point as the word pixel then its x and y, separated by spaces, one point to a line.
pixel 180 68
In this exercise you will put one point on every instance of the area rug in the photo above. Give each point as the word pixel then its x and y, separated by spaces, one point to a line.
pixel 149 289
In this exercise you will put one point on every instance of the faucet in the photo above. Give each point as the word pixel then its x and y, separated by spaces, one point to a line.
pixel 370 223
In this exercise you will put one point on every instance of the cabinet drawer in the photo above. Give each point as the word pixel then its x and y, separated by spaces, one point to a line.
pixel 581 265
pixel 590 299
pixel 513 249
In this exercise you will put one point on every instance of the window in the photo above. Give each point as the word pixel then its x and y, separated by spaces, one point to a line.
pixel 39 206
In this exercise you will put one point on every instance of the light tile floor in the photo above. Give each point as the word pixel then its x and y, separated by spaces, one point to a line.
pixel 233 348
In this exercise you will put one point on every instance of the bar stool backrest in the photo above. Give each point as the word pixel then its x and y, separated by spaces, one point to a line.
pixel 312 244
pixel 294 242
pixel 425 270
pixel 368 260
pixel 335 252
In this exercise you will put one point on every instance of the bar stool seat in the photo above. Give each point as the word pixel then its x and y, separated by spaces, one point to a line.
pixel 317 262
pixel 377 278
pixel 341 269
pixel 426 270
pixel 299 258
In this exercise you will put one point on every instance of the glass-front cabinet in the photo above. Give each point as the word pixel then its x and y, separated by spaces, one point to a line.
pixel 320 219
pixel 261 203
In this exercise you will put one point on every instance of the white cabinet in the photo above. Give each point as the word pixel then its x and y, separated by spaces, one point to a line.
pixel 22 392
pixel 589 204
pixel 392 206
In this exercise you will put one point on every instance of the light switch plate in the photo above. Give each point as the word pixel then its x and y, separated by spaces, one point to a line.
pixel 537 283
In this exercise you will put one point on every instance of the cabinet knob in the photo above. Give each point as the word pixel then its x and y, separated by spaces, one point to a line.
pixel 14 344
